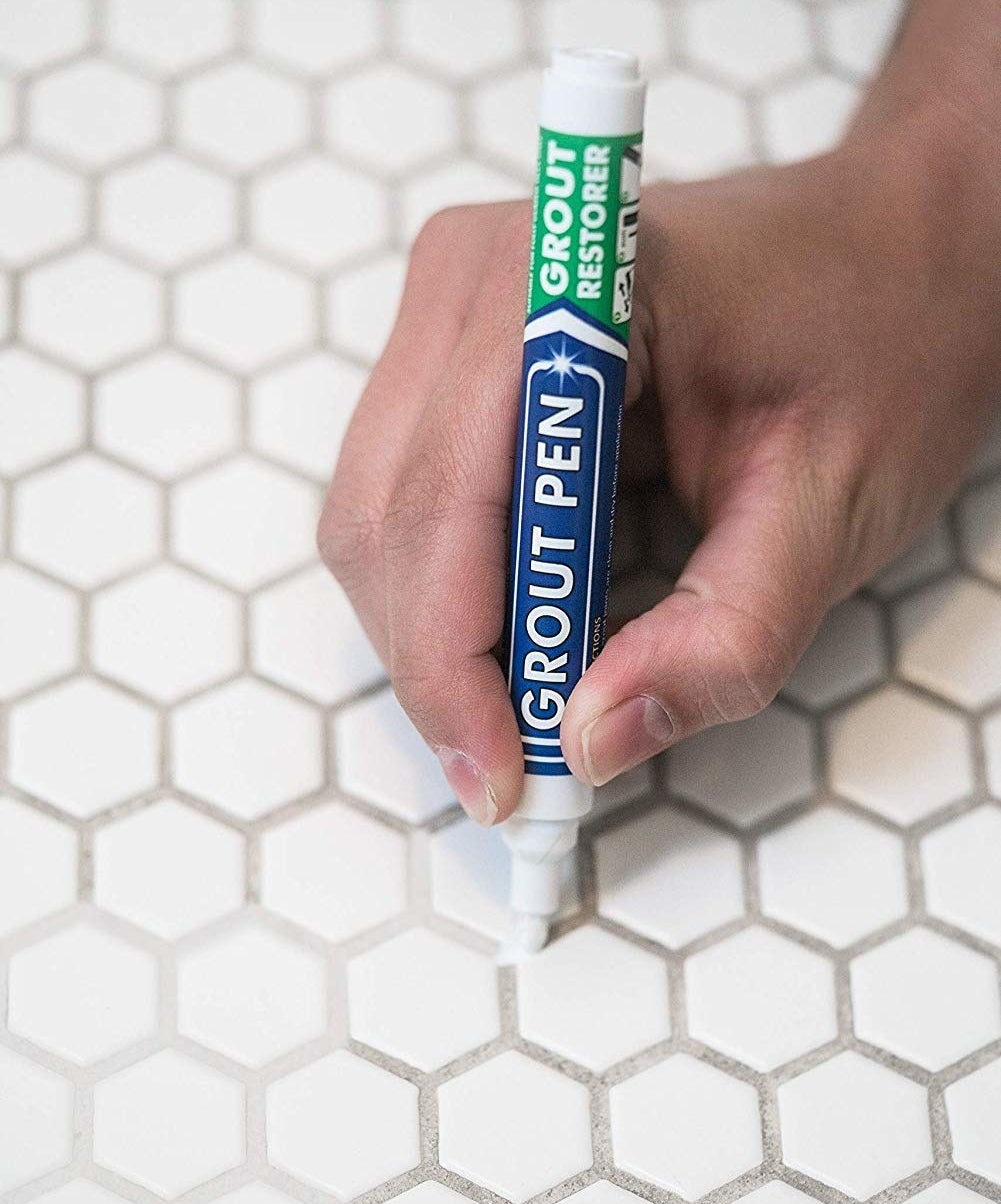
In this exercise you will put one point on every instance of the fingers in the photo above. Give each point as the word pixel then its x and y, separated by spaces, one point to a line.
pixel 720 646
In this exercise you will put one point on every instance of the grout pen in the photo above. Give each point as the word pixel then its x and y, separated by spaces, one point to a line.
pixel 572 390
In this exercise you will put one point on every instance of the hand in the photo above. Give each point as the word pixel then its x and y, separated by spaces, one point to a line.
pixel 816 343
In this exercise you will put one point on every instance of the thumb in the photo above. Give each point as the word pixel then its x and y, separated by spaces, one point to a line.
pixel 715 650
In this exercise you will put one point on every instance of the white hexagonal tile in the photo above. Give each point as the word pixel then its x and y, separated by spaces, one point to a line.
pixel 41 410
pixel 308 211
pixel 749 45
pixel 300 411
pixel 777 1192
pixel 760 998
pixel 695 129
pixel 241 115
pixel 246 747
pixel 900 755
pixel 167 210
pixel 745 771
pixel 390 117
pixel 594 998
pixel 858 33
pixel 256 1193
pixel 925 998
pixel 974 1108
pixel 90 309
pixel 34 35
pixel 543 1116
pixel 960 862
pixel 382 759
pixel 464 182
pixel 93 113
pixel 79 1191
pixel 847 655
pixel 459 40
pixel 832 875
pixel 36 1120
pixel 38 865
pixel 108 746
pixel 165 633
pixel 86 521
pixel 166 36
pixel 376 1135
pixel 637 26
pixel 362 305
pixel 980 529
pixel 169 1123
pixel 669 877
pixel 39 632
pixel 334 871
pixel 685 1126
pixel 423 999
pixel 168 868
pixel 506 116
pixel 83 994
pixel 807 117
pixel 930 553
pixel 42 207
pixel 314 36
pixel 949 640
pixel 244 522
pixel 250 993
pixel 166 413
pixel 854 1125
pixel 8 110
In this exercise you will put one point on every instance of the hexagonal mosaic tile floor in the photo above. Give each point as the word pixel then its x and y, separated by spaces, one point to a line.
pixel 246 936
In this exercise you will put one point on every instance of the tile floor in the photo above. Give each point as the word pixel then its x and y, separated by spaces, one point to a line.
pixel 245 935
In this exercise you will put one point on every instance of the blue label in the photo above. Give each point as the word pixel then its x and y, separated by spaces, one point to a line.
pixel 572 389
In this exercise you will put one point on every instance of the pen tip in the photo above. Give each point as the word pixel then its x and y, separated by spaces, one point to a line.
pixel 529 934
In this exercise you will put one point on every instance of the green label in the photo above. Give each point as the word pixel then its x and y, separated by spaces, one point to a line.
pixel 584 225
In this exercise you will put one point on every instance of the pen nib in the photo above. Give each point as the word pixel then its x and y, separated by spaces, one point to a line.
pixel 528 935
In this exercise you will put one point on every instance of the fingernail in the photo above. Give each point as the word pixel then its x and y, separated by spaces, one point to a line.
pixel 623 736
pixel 471 788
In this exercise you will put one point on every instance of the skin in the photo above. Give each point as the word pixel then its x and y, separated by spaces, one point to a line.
pixel 812 354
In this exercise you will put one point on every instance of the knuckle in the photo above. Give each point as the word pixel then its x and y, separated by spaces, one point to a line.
pixel 751 665
pixel 419 504
pixel 348 537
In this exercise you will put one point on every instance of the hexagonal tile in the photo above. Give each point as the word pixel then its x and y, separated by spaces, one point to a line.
pixel 244 522
pixel 594 998
pixel 308 211
pixel 847 655
pixel 376 1136
pixel 39 632
pixel 459 41
pixel 41 411
pixel 250 994
pixel 31 36
pixel 83 994
pixel 8 111
pixel 505 118
pixel 90 309
pixel 858 33
pixel 960 862
pixel 169 1123
pixel 86 521
pixel 949 639
pixel 168 868
pixel 391 118
pixel 807 117
pixel 637 26
pixel 93 113
pixel 669 877
pixel 382 759
pixel 242 311
pixel 314 36
pixel 900 755
pixel 544 1117
pixel 748 45
pixel 241 115
pixel 925 998
pixel 167 210
pixel 36 1120
pixel 685 1126
pixel 760 998
pixel 464 182
pixel 166 36
pixel 362 305
pixel 832 875
pixel 423 999
pixel 108 746
pixel 165 633
pixel 696 129
pixel 79 1191
pixel 38 865
pixel 246 747
pixel 43 208
pixel 166 413
pixel 980 529
pixel 777 1192
pixel 974 1108
pixel 300 411
pixel 854 1125
pixel 746 771
pixel 334 871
